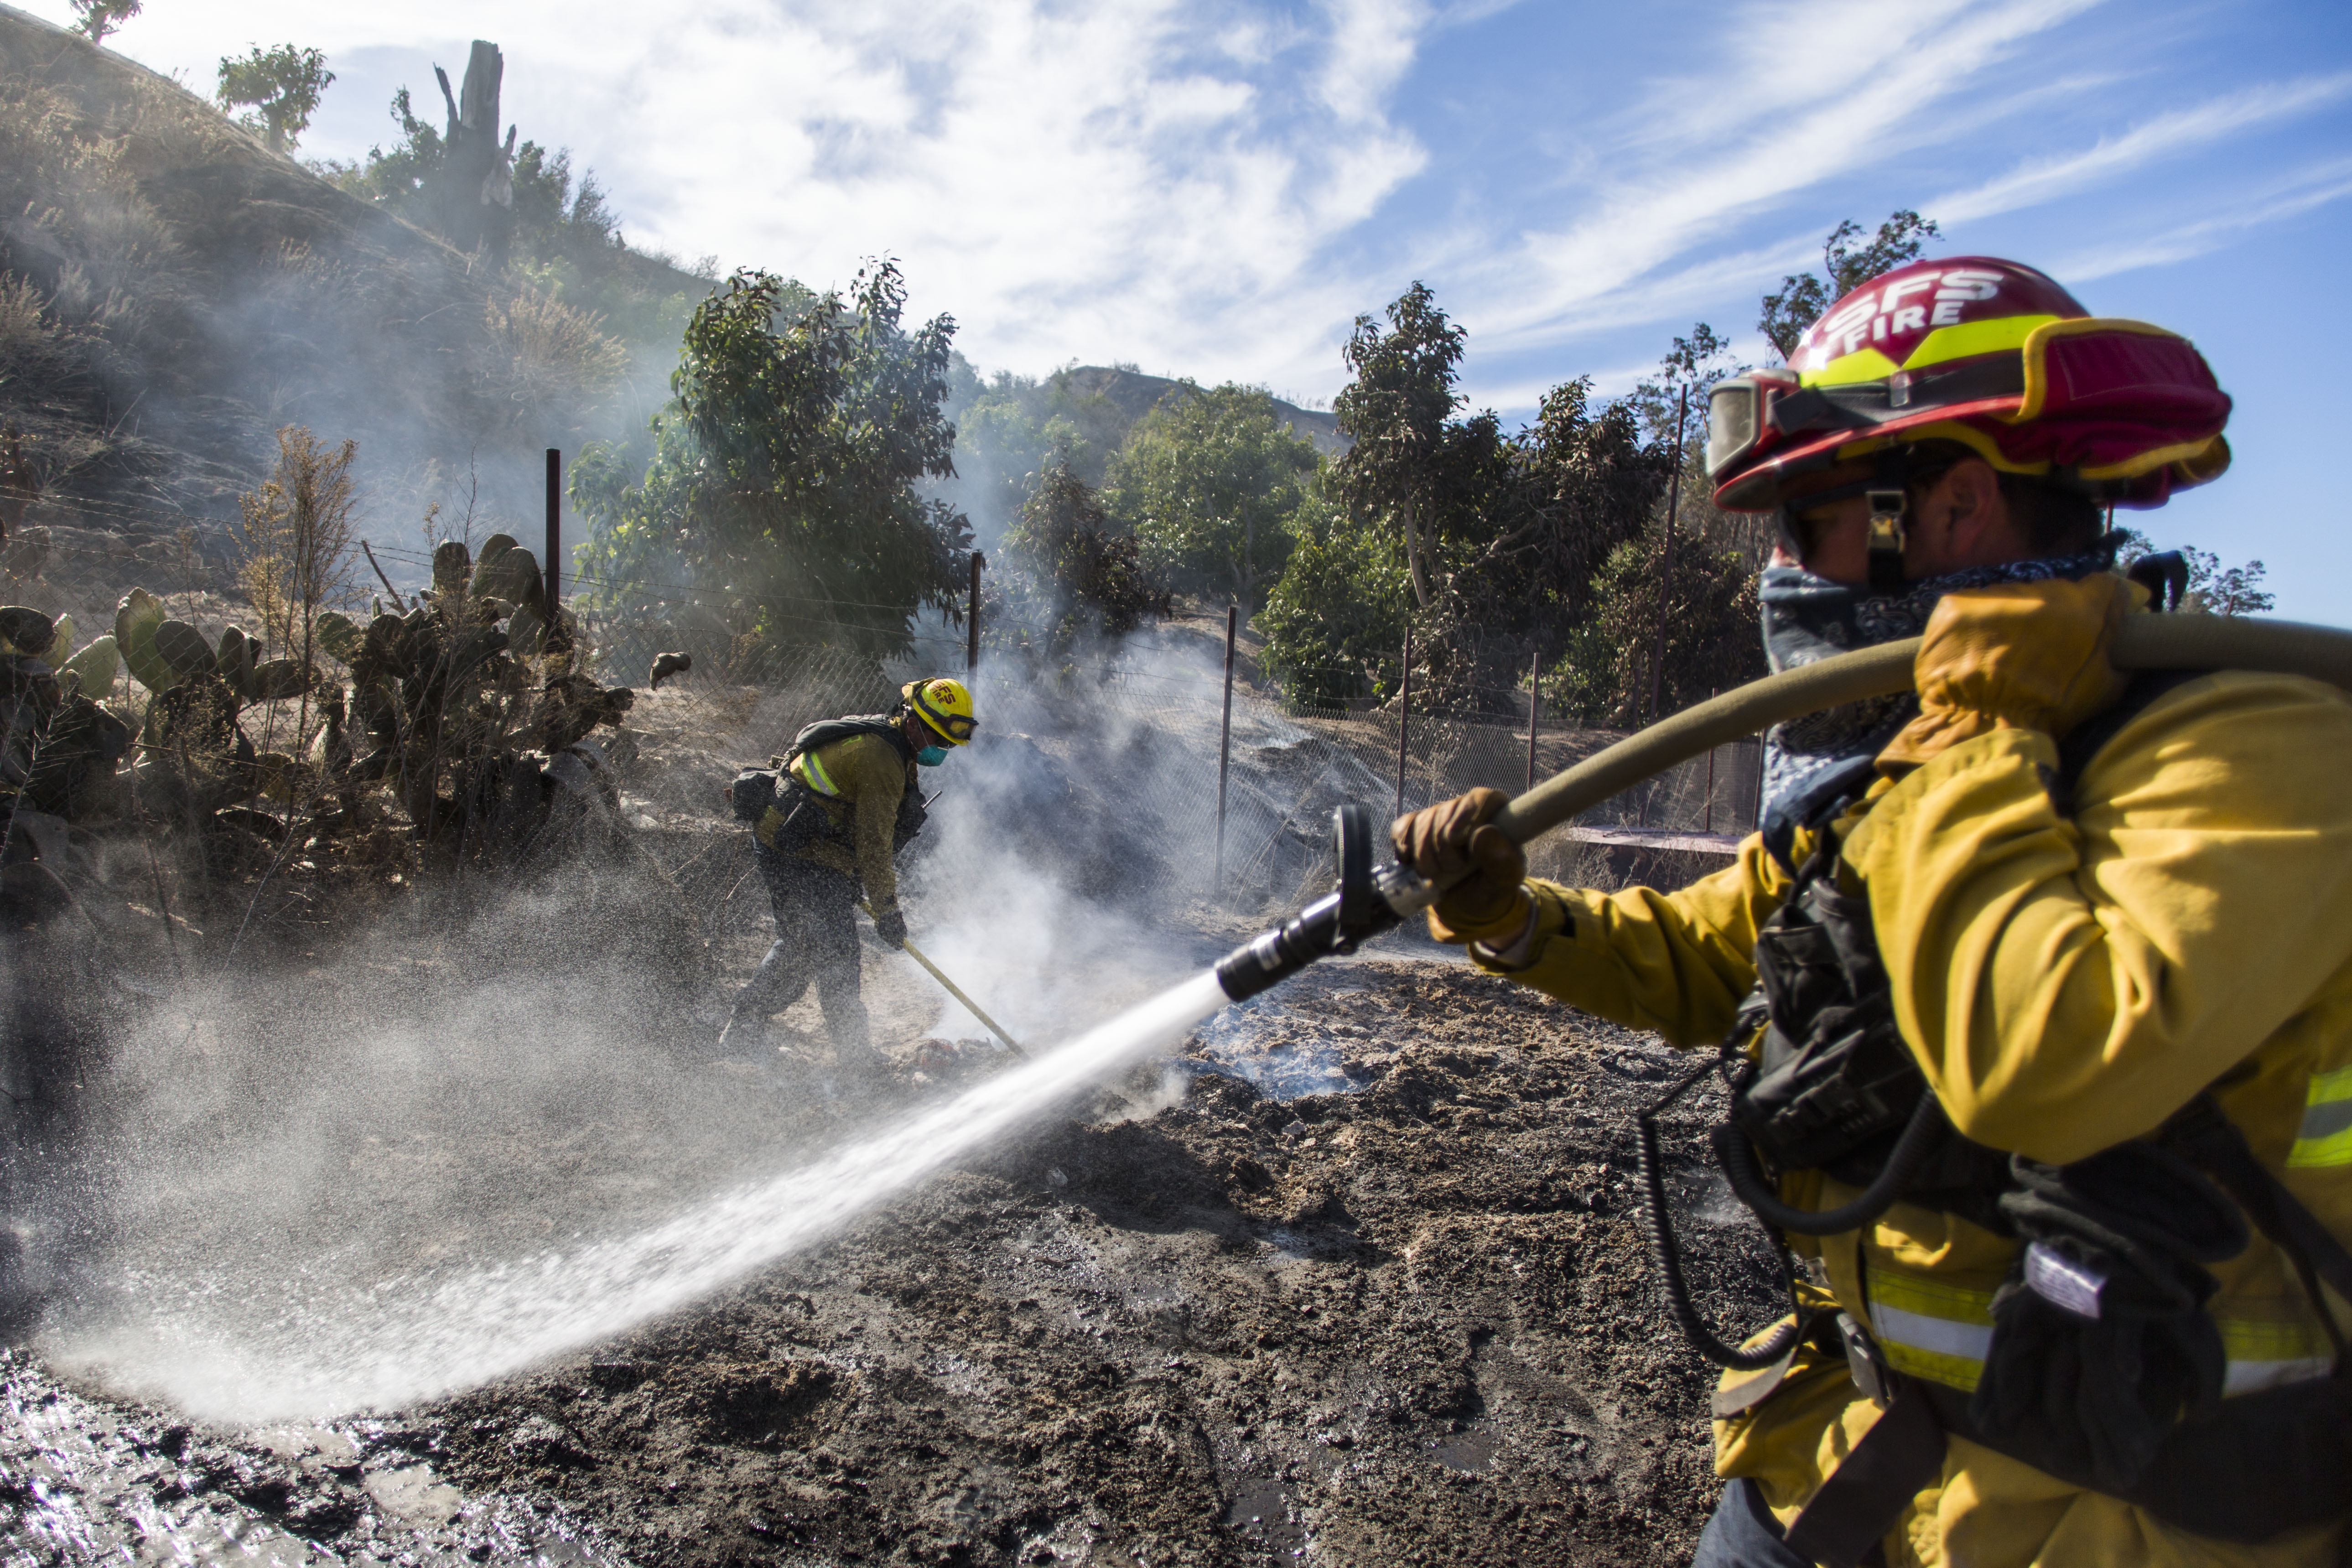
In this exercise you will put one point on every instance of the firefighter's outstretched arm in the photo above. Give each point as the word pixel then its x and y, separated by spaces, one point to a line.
pixel 1676 962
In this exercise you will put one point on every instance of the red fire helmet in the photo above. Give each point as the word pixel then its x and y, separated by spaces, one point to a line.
pixel 1989 354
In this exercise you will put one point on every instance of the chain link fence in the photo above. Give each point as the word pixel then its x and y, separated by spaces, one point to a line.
pixel 1240 814
pixel 1142 728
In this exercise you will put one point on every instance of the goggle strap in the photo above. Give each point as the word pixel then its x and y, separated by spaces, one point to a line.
pixel 1887 539
pixel 1890 502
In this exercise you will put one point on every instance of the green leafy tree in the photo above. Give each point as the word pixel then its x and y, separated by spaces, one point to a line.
pixel 1010 430
pixel 1076 572
pixel 2213 588
pixel 1586 484
pixel 1497 537
pixel 1334 621
pixel 1845 267
pixel 1597 671
pixel 395 178
pixel 2226 590
pixel 566 240
pixel 282 86
pixel 1710 616
pixel 1411 461
pixel 1678 387
pixel 785 472
pixel 1206 481
pixel 94 19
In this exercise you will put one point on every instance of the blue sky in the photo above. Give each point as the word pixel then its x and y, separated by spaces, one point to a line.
pixel 1216 190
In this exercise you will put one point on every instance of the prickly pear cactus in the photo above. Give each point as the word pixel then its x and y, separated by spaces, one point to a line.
pixel 136 621
pixel 95 667
pixel 27 632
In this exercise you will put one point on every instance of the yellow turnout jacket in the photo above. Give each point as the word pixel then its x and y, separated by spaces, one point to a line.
pixel 2066 982
pixel 860 781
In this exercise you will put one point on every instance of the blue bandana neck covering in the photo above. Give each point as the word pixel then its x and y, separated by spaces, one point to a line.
pixel 1813 763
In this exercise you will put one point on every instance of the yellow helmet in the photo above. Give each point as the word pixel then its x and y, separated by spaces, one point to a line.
pixel 945 705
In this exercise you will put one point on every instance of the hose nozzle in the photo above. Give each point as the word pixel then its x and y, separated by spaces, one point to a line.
pixel 1363 904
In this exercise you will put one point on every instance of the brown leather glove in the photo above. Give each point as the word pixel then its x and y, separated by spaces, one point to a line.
pixel 2017 656
pixel 1455 837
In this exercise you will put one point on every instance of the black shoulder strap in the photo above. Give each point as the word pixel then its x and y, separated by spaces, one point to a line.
pixel 826 732
pixel 2075 751
pixel 2212 1142
pixel 1822 800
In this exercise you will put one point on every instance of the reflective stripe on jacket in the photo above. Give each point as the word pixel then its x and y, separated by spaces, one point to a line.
pixel 2067 982
pixel 859 783
pixel 2324 1139
pixel 1934 1326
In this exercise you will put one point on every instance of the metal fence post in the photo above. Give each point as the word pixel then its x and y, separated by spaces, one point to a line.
pixel 971 619
pixel 554 528
pixel 1404 717
pixel 1535 676
pixel 1225 740
pixel 1666 565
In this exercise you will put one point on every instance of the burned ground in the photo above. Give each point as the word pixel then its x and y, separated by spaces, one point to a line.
pixel 1408 1319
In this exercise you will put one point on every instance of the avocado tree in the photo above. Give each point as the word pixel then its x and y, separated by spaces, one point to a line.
pixel 1493 541
pixel 1845 267
pixel 94 19
pixel 1334 621
pixel 782 481
pixel 1411 460
pixel 1206 479
pixel 1073 570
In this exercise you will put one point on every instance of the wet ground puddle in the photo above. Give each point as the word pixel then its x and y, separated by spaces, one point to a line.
pixel 86 1481
pixel 1286 1054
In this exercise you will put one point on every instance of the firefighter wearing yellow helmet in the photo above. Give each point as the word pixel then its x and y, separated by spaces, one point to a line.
pixel 827 820
pixel 2033 995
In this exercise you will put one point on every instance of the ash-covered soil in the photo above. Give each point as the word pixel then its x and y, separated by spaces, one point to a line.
pixel 1403 1317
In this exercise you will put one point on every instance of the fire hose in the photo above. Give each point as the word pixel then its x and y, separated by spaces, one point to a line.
pixel 1369 901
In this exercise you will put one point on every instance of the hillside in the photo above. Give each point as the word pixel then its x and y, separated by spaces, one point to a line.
pixel 171 292
pixel 175 292
pixel 1132 393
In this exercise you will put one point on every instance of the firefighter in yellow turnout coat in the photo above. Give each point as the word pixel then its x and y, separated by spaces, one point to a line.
pixel 827 825
pixel 2109 922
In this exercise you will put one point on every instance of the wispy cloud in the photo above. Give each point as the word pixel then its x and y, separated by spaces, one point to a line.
pixel 2304 190
pixel 2045 179
pixel 1698 272
pixel 1218 187
pixel 1798 96
pixel 1156 179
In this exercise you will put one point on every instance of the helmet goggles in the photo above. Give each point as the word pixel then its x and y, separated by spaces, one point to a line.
pixel 1739 417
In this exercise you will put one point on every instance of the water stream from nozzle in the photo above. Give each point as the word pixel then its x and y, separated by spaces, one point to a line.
pixel 331 1348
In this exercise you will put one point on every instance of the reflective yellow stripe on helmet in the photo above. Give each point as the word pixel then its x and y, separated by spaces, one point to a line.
pixel 1965 340
pixel 2325 1140
pixel 1941 1332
